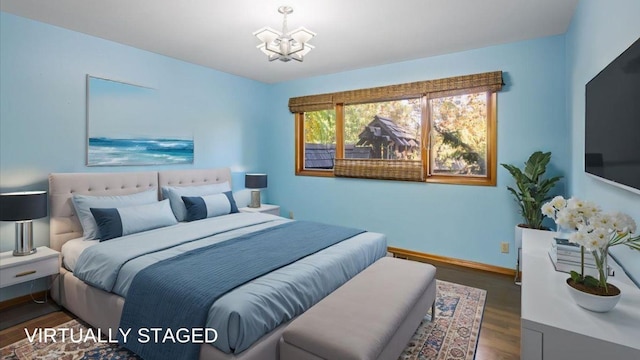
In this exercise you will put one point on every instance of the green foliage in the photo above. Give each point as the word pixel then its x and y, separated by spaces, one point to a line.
pixel 459 150
pixel 320 127
pixel 531 188
pixel 459 140
pixel 588 280
pixel 575 276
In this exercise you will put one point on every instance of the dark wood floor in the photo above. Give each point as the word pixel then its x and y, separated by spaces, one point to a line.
pixel 500 330
pixel 499 334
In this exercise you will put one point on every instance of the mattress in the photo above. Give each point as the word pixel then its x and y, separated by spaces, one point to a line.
pixel 248 312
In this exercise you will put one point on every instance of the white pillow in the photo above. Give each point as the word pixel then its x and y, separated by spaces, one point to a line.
pixel 175 194
pixel 83 204
pixel 121 221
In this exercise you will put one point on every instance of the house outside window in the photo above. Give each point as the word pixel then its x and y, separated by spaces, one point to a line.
pixel 386 130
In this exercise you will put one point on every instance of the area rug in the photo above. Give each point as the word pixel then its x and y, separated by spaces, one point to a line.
pixel 453 335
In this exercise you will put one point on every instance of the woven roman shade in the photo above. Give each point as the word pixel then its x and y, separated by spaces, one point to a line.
pixel 407 170
pixel 311 103
pixel 490 81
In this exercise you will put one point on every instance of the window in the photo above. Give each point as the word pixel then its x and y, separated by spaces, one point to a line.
pixel 319 139
pixel 459 135
pixel 435 131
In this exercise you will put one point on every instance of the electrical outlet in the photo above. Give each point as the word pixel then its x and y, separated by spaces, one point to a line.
pixel 290 214
pixel 504 247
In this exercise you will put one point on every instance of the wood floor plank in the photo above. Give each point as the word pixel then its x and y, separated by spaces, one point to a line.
pixel 17 332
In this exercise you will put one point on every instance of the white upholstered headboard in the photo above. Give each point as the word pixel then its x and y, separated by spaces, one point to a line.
pixel 64 224
pixel 194 177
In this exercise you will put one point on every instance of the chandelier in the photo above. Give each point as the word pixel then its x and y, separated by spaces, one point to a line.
pixel 284 46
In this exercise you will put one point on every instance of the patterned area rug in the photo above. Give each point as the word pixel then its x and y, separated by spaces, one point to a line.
pixel 454 334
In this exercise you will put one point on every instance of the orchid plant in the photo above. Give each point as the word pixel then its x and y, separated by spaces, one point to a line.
pixel 568 214
pixel 595 231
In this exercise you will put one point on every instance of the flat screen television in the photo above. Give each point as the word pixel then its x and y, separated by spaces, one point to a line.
pixel 612 124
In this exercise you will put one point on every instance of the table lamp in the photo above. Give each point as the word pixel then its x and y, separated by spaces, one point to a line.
pixel 22 207
pixel 255 181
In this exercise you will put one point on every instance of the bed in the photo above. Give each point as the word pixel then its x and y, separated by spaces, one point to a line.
pixel 102 309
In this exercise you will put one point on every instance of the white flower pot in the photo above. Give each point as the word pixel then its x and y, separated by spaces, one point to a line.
pixel 593 302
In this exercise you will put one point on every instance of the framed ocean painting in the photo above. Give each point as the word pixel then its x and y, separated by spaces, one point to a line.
pixel 126 126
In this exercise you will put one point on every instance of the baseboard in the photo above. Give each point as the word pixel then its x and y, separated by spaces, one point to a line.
pixel 420 256
pixel 22 299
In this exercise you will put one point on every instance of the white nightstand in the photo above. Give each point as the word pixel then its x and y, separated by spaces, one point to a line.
pixel 264 208
pixel 19 269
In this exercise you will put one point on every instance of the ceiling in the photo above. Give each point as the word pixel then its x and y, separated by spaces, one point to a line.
pixel 350 34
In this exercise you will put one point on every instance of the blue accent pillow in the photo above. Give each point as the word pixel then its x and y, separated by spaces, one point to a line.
pixel 202 207
pixel 83 204
pixel 175 194
pixel 117 222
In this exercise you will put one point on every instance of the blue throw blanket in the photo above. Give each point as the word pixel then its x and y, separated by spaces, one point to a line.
pixel 177 293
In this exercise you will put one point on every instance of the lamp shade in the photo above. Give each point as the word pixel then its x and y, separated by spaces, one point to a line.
pixel 255 181
pixel 24 205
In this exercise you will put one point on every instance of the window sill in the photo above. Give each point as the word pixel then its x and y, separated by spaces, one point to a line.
pixel 318 173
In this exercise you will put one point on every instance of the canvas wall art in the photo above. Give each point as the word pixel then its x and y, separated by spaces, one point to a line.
pixel 126 126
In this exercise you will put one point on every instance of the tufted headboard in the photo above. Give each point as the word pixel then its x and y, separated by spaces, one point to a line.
pixel 64 224
pixel 194 177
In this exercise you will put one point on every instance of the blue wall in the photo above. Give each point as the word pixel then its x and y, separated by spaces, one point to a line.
pixel 599 32
pixel 42 108
pixel 466 222
pixel 246 125
pixel 42 112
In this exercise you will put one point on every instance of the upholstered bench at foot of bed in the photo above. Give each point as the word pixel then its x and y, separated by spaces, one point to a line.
pixel 372 316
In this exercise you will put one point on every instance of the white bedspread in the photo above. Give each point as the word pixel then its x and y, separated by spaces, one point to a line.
pixel 72 249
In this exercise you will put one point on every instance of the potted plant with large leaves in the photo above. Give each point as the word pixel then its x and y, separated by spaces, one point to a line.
pixel 531 192
pixel 532 189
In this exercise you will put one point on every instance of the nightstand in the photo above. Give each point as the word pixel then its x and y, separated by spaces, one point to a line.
pixel 19 269
pixel 264 208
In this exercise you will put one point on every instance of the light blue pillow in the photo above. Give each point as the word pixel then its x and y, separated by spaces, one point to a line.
pixel 83 204
pixel 117 222
pixel 207 206
pixel 175 194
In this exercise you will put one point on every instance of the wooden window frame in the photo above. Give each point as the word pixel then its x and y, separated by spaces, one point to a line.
pixel 492 154
pixel 487 82
pixel 299 144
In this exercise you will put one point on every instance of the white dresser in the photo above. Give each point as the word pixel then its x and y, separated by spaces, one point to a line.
pixel 554 327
